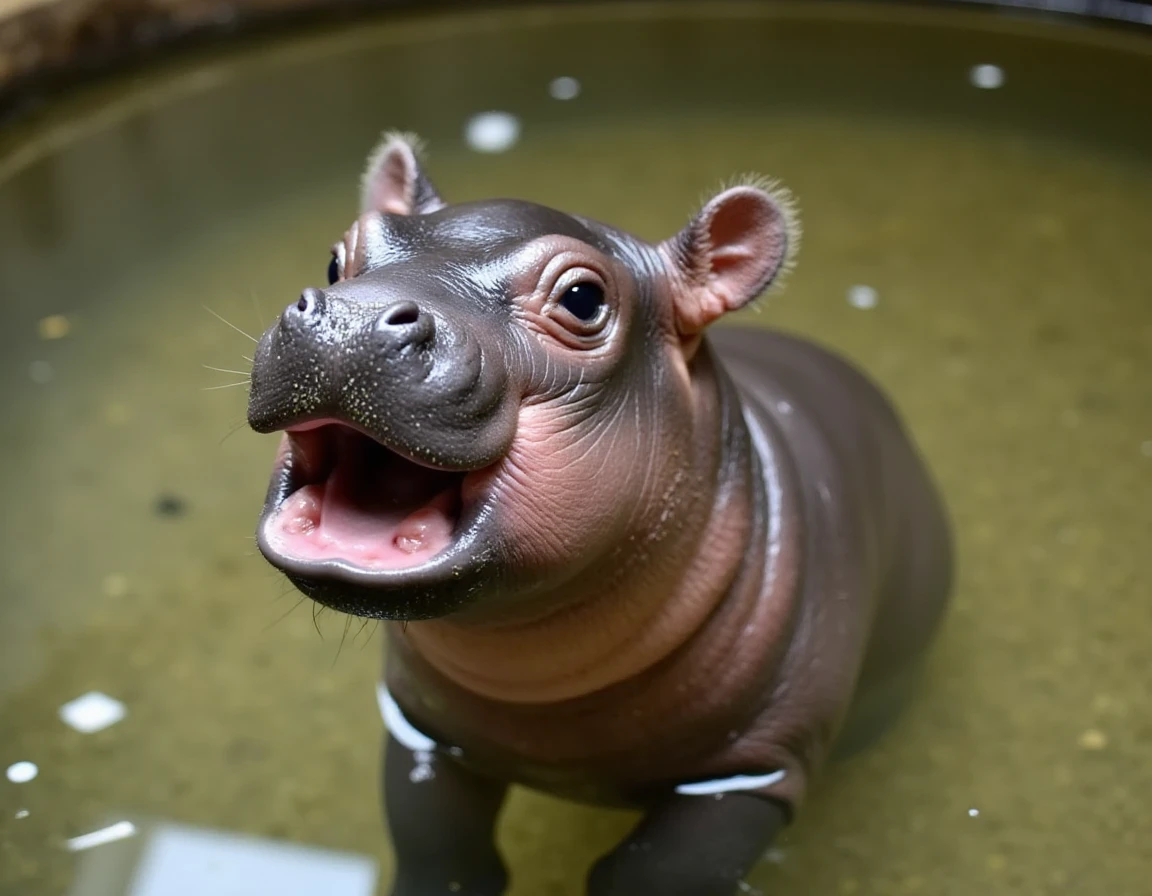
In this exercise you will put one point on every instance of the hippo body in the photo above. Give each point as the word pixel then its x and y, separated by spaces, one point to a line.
pixel 839 598
pixel 625 561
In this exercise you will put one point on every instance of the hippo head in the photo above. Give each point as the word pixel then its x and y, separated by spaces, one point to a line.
pixel 487 398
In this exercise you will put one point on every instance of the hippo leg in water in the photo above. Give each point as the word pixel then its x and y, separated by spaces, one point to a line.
pixel 625 557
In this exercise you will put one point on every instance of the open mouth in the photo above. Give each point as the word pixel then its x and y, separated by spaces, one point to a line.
pixel 348 498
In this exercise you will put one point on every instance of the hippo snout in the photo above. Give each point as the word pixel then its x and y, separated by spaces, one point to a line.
pixel 397 364
pixel 394 325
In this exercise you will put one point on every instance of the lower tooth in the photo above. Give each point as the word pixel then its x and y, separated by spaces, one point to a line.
pixel 302 512
pixel 412 534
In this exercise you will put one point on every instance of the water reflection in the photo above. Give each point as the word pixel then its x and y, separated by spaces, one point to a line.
pixel 564 88
pixel 986 77
pixel 92 712
pixel 22 772
pixel 492 131
pixel 110 834
pixel 165 859
pixel 863 297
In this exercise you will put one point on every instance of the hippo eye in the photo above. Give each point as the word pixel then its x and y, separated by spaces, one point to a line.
pixel 583 300
pixel 579 304
pixel 333 270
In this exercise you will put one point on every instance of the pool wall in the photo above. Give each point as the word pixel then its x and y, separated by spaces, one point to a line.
pixel 49 45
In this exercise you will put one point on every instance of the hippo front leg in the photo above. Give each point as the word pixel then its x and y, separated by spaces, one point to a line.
pixel 442 818
pixel 690 846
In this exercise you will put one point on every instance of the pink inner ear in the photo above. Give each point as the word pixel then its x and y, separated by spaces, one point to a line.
pixel 727 256
pixel 394 182
pixel 748 241
pixel 390 206
pixel 390 184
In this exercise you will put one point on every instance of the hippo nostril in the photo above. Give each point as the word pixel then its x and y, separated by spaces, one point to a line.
pixel 401 314
pixel 404 325
pixel 311 302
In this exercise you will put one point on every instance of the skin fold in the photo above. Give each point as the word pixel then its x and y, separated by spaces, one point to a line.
pixel 628 555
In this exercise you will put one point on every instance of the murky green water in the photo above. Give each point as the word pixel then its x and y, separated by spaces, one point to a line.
pixel 1004 231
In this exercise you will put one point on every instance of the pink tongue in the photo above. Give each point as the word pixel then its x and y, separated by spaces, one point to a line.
pixel 371 518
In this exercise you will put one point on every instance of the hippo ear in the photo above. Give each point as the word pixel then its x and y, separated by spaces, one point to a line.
pixel 394 182
pixel 736 247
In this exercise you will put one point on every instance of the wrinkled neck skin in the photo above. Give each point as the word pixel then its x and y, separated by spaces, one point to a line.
pixel 695 535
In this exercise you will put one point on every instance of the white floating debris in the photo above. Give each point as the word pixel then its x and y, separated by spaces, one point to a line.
pixel 41 372
pixel 22 813
pixel 121 830
pixel 492 131
pixel 92 712
pixel 183 861
pixel 986 77
pixel 863 297
pixel 564 88
pixel 973 813
pixel 22 772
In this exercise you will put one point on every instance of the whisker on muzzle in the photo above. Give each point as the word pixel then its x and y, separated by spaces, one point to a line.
pixel 284 616
pixel 227 370
pixel 230 324
pixel 343 638
pixel 231 432
pixel 317 609
pixel 371 633
pixel 228 385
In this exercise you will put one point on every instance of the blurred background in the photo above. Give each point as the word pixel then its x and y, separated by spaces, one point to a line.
pixel 975 183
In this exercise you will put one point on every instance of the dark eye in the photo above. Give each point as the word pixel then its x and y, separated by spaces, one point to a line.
pixel 333 271
pixel 583 300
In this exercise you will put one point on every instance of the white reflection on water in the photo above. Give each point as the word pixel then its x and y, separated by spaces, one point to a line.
pixel 986 77
pixel 22 772
pixel 121 830
pixel 92 712
pixel 564 88
pixel 492 131
pixel 863 297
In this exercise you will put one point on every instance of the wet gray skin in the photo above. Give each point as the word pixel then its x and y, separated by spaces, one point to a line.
pixel 415 346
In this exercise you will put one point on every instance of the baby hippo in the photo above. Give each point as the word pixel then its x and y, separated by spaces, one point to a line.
pixel 624 558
